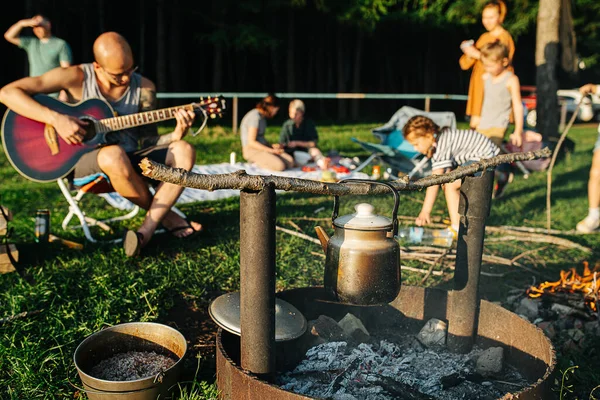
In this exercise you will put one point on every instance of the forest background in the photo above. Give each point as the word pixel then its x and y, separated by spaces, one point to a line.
pixel 307 46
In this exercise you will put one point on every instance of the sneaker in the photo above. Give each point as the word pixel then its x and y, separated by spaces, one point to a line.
pixel 503 180
pixel 588 224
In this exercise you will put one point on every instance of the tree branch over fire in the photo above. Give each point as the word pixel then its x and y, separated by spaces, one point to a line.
pixel 241 181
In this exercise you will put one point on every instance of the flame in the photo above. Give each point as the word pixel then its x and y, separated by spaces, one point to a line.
pixel 571 282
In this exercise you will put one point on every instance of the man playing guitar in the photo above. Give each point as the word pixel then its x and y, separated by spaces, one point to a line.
pixel 112 77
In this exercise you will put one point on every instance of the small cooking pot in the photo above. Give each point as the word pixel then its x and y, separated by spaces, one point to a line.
pixel 362 262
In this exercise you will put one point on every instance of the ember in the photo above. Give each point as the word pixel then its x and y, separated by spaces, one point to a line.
pixel 401 366
pixel 571 282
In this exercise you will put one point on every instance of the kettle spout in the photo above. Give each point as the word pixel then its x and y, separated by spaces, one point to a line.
pixel 323 237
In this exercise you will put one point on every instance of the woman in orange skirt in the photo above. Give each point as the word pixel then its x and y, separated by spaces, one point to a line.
pixel 492 17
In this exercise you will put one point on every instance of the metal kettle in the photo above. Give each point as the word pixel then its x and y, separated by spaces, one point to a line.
pixel 362 262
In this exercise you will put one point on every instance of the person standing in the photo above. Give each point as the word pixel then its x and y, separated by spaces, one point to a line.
pixel 592 221
pixel 492 17
pixel 112 77
pixel 44 51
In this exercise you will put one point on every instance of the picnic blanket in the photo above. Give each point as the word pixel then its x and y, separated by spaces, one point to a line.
pixel 195 195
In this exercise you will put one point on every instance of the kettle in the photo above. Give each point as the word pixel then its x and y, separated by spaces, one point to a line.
pixel 362 258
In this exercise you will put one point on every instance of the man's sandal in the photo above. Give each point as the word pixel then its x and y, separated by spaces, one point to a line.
pixel 132 243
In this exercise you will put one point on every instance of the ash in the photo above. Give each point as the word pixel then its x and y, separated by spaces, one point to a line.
pixel 389 370
pixel 132 365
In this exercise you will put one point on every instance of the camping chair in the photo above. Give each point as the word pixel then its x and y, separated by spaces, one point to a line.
pixel 99 186
pixel 396 152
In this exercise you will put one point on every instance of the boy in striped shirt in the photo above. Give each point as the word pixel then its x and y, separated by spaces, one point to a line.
pixel 448 149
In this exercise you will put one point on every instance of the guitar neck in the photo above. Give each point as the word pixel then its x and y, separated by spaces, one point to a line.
pixel 144 118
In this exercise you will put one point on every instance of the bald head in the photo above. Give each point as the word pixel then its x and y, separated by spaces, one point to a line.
pixel 112 51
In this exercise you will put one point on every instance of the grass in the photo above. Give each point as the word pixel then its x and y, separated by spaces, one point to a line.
pixel 81 292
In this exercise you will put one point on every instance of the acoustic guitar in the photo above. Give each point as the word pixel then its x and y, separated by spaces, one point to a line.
pixel 38 153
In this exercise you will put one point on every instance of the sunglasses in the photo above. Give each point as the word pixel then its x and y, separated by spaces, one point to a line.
pixel 119 77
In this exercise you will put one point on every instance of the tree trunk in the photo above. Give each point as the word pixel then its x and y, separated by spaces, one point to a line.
pixel 101 15
pixel 217 68
pixel 142 23
pixel 291 75
pixel 341 81
pixel 322 66
pixel 356 73
pixel 176 71
pixel 161 47
pixel 546 61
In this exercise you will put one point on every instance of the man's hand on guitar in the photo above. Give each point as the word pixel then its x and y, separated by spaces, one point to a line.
pixel 71 129
pixel 185 119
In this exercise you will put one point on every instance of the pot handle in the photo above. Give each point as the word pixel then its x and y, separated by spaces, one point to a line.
pixel 336 200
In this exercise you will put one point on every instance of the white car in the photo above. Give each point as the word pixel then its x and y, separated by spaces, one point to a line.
pixel 589 110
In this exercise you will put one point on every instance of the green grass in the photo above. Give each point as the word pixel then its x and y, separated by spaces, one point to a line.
pixel 81 292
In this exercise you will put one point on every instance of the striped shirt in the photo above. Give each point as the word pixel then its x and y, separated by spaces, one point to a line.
pixel 457 146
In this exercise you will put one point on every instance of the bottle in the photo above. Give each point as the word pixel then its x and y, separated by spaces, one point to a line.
pixel 42 225
pixel 376 172
pixel 426 236
pixel 232 158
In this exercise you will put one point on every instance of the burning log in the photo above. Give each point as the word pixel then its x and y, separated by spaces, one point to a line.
pixel 571 282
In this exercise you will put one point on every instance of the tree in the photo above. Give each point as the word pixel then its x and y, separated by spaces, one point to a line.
pixel 546 61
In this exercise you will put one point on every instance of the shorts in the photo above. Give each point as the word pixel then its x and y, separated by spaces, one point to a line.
pixel 87 168
pixel 496 135
pixel 597 145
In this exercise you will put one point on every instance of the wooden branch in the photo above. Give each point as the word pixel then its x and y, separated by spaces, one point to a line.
pixel 298 234
pixel 530 229
pixel 239 180
pixel 541 239
pixel 436 262
pixel 551 166
pixel 21 315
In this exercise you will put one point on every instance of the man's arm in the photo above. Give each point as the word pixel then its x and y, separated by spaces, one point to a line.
pixel 13 33
pixel 515 93
pixel 149 132
pixel 18 96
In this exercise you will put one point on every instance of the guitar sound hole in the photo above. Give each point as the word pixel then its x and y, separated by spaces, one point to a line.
pixel 90 130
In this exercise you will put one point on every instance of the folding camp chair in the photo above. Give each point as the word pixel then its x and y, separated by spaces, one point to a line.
pixel 100 185
pixel 396 152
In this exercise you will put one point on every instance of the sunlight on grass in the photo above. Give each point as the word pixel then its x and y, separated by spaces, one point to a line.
pixel 80 292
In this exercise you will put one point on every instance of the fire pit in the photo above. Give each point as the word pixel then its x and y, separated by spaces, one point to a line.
pixel 245 371
pixel 248 364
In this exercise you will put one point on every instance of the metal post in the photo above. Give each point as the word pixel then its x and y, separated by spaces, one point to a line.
pixel 234 116
pixel 563 115
pixel 257 281
pixel 427 104
pixel 474 208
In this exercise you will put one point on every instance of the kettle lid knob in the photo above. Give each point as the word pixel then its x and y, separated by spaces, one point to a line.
pixel 364 210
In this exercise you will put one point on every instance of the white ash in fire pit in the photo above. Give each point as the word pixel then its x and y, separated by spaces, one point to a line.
pixel 392 366
pixel 131 365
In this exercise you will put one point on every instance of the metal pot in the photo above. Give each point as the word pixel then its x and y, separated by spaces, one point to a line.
pixel 131 336
pixel 362 263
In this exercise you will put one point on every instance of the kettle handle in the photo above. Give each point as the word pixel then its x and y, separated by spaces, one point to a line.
pixel 336 200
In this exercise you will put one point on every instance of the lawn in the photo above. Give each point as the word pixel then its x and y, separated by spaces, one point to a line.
pixel 78 292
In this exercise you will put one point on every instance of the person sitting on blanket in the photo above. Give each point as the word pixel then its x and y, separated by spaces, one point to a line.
pixel 448 149
pixel 255 147
pixel 112 77
pixel 300 134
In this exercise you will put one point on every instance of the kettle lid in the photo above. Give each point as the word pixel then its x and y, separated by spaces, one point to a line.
pixel 363 219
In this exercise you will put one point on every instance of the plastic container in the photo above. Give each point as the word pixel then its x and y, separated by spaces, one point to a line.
pixel 426 236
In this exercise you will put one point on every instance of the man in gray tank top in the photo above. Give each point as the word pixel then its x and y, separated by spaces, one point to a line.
pixel 111 77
